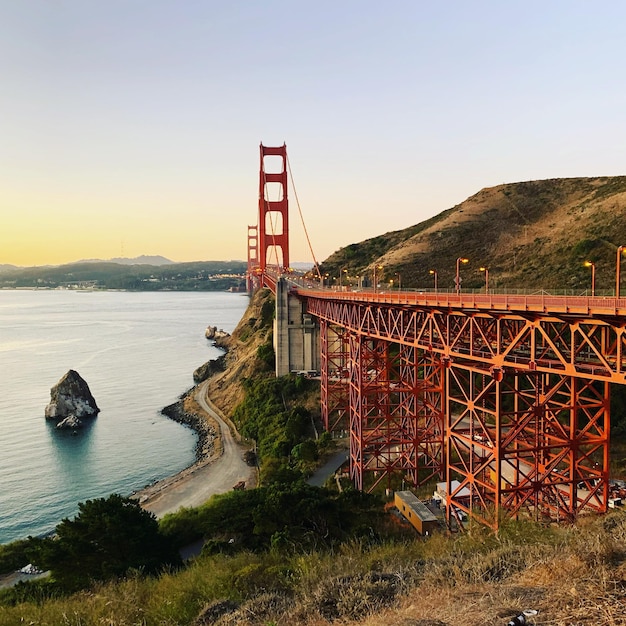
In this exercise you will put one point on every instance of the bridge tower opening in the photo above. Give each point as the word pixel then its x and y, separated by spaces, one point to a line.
pixel 253 258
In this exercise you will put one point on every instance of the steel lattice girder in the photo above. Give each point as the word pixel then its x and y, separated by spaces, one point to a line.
pixel 592 348
pixel 395 413
pixel 334 354
pixel 554 367
pixel 537 442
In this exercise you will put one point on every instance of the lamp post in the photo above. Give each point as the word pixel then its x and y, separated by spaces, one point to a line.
pixel 434 273
pixel 457 279
pixel 376 268
pixel 486 270
pixel 618 270
pixel 399 280
pixel 592 265
pixel 341 273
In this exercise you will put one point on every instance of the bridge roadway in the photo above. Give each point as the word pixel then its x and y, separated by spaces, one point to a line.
pixel 574 335
pixel 544 304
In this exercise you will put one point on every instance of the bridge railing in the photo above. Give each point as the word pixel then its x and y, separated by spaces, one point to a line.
pixel 555 302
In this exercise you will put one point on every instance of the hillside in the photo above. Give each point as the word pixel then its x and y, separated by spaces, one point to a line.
pixel 241 362
pixel 531 235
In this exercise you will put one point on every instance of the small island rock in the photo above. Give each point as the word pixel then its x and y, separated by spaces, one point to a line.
pixel 71 396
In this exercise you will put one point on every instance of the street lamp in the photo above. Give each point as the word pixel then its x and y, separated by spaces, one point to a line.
pixel 486 270
pixel 457 279
pixel 376 267
pixel 341 273
pixel 399 280
pixel 618 269
pixel 434 273
pixel 592 265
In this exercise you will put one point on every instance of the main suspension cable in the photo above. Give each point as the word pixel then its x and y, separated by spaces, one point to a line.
pixel 306 233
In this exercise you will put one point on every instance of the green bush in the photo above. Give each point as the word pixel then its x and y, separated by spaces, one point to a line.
pixel 108 537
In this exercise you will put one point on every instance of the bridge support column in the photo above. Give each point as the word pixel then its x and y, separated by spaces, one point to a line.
pixel 296 334
pixel 396 414
pixel 334 354
pixel 422 396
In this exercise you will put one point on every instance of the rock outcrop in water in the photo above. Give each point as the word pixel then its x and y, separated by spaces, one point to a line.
pixel 212 333
pixel 71 400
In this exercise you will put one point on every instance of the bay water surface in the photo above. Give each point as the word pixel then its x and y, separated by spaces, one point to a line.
pixel 137 353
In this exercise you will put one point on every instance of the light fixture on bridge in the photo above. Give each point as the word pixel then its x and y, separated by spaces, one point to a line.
pixel 341 273
pixel 434 275
pixel 486 270
pixel 457 278
pixel 592 265
pixel 399 280
pixel 376 268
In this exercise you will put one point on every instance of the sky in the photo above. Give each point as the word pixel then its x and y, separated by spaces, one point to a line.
pixel 132 127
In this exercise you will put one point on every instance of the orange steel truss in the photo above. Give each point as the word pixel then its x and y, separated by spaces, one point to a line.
pixel 525 441
pixel 334 377
pixel 396 417
pixel 510 408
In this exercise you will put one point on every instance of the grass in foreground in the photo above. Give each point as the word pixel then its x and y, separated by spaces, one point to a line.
pixel 571 575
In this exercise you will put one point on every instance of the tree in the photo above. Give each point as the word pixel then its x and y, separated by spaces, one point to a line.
pixel 107 538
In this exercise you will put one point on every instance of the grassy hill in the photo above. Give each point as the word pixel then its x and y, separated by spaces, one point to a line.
pixel 531 235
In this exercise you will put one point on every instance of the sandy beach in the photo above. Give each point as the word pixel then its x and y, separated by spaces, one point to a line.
pixel 217 472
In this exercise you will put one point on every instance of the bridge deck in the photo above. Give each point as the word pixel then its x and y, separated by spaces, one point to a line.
pixel 558 306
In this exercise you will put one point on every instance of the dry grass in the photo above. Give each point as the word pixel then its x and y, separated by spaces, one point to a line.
pixel 571 576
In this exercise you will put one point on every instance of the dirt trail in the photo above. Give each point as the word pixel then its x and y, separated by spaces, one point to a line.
pixel 196 484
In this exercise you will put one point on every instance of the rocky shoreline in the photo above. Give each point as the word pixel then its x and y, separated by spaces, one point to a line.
pixel 209 444
pixel 206 432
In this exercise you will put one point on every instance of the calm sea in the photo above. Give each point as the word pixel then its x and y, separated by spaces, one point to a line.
pixel 137 353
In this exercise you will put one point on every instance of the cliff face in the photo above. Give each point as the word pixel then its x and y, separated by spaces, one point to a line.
pixel 241 361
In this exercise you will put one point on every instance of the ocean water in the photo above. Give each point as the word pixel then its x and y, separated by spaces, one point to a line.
pixel 137 353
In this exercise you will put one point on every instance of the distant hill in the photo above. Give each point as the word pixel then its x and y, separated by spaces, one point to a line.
pixel 197 276
pixel 531 235
pixel 138 260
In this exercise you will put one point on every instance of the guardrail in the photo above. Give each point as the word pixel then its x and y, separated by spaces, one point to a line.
pixel 543 303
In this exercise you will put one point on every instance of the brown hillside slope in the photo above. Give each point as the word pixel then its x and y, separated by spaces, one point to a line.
pixel 241 361
pixel 532 235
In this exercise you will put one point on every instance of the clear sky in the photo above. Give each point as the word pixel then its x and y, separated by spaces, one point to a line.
pixel 132 127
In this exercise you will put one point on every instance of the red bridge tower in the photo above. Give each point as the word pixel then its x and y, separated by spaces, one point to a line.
pixel 273 210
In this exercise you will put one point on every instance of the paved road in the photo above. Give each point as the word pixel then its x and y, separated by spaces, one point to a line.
pixel 321 475
pixel 196 485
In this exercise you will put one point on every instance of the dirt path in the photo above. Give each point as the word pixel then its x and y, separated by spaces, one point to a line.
pixel 196 484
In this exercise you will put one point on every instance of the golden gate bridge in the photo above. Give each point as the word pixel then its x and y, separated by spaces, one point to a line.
pixel 504 397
